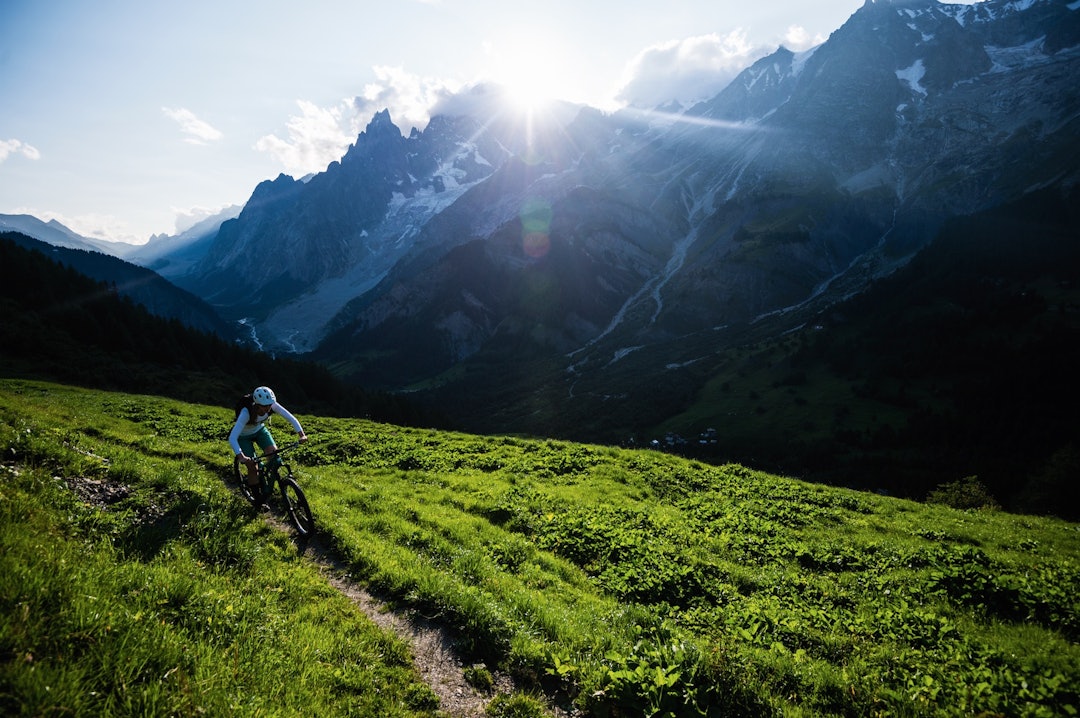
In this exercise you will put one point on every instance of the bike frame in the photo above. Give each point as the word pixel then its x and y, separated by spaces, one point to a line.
pixel 268 477
pixel 269 467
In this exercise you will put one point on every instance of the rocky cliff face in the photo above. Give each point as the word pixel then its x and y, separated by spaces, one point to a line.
pixel 635 243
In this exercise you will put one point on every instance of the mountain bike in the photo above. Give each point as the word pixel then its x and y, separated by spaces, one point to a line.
pixel 273 471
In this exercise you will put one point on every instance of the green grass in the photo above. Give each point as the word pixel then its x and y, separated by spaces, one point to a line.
pixel 196 607
pixel 760 391
pixel 625 582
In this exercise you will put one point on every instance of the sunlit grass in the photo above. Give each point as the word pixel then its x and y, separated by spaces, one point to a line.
pixel 629 581
pixel 203 611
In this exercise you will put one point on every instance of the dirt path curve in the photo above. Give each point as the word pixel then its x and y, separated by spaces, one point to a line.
pixel 434 654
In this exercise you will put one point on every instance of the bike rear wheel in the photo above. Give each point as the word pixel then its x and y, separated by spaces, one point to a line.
pixel 296 505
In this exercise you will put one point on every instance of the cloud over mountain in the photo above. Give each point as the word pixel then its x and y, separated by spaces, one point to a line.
pixel 687 70
pixel 409 98
pixel 13 147
pixel 316 137
pixel 698 67
pixel 198 131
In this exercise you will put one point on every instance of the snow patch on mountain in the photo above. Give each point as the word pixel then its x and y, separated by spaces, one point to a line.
pixel 301 324
pixel 1006 59
pixel 913 76
pixel 799 61
pixel 1021 5
pixel 700 209
pixel 620 353
pixel 925 36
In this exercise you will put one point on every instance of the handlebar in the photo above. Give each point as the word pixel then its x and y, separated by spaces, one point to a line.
pixel 280 450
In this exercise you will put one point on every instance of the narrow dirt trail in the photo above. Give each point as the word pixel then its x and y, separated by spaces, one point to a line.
pixel 437 661
pixel 434 654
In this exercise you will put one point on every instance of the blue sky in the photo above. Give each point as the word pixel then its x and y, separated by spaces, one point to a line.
pixel 125 118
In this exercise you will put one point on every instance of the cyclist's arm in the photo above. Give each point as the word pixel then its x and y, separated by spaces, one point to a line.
pixel 279 409
pixel 234 435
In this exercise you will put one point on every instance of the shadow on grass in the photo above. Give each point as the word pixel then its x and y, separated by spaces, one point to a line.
pixel 214 530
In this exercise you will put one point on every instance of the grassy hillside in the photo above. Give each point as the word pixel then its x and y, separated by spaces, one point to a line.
pixel 165 595
pixel 623 582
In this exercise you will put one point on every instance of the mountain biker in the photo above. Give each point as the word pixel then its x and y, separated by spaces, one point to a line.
pixel 251 429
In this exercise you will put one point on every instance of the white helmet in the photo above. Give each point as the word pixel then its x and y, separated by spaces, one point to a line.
pixel 263 396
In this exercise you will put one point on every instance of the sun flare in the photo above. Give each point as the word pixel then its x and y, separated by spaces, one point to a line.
pixel 530 90
pixel 529 74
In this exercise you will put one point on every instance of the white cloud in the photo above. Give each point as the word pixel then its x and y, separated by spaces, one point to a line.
pixel 10 147
pixel 687 70
pixel 198 131
pixel 797 39
pixel 692 69
pixel 316 138
pixel 321 135
pixel 480 99
pixel 408 97
pixel 189 217
pixel 93 225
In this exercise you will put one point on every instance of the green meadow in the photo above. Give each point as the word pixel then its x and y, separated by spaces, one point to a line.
pixel 607 582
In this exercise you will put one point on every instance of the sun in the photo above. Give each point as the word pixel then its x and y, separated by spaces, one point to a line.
pixel 529 89
pixel 529 73
pixel 526 96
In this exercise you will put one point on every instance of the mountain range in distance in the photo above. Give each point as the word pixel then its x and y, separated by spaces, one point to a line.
pixel 604 276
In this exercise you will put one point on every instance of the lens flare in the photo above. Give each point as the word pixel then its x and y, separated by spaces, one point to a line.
pixel 536 244
pixel 536 227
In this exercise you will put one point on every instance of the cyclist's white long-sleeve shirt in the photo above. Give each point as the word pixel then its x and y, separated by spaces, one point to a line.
pixel 244 425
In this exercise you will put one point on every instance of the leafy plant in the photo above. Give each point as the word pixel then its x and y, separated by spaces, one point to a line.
pixel 967 493
pixel 516 705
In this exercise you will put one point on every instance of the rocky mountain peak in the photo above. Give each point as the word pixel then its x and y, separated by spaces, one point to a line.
pixel 381 125
pixel 885 4
pixel 273 190
pixel 755 92
pixel 593 235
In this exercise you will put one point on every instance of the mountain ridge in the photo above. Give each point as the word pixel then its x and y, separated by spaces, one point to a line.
pixel 574 256
pixel 804 169
pixel 143 286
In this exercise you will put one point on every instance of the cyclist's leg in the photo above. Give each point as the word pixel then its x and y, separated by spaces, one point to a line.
pixel 247 445
pixel 269 446
pixel 266 443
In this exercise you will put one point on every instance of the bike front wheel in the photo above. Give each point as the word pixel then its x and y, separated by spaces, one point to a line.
pixel 296 505
pixel 252 493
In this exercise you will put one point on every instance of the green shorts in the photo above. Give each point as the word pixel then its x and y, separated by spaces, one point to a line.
pixel 261 437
